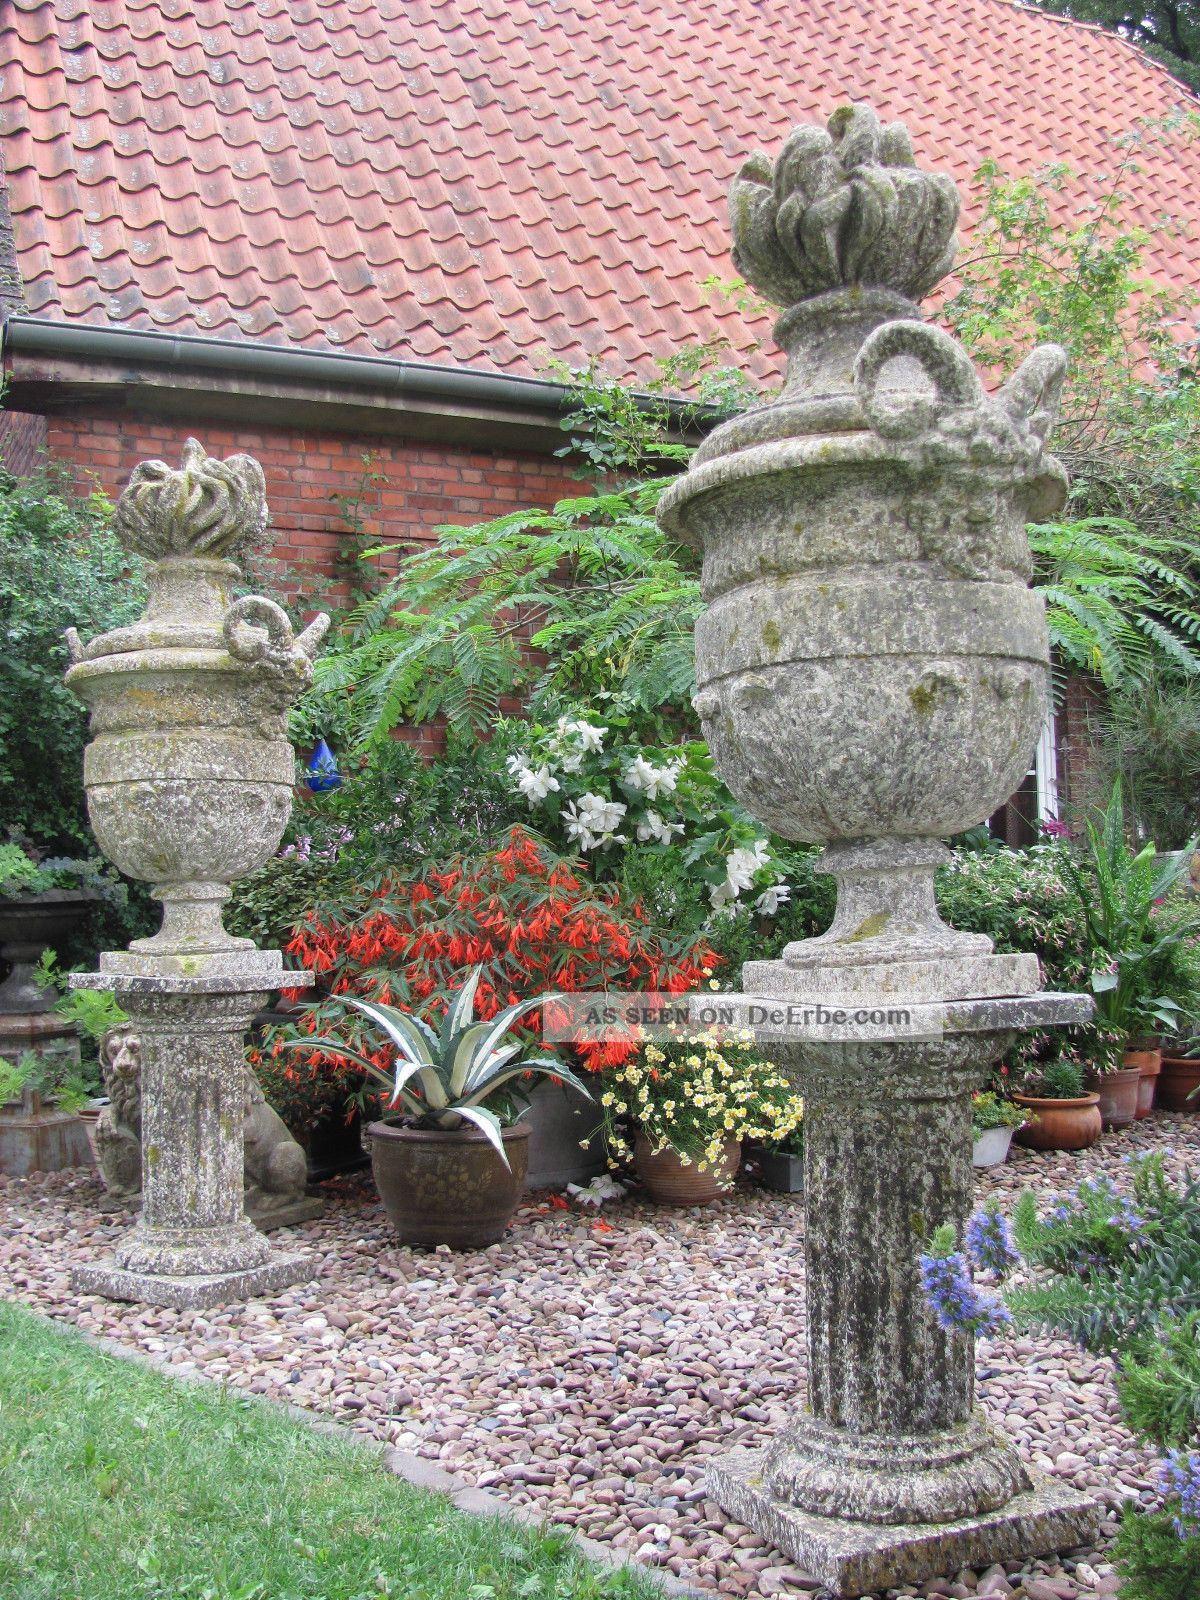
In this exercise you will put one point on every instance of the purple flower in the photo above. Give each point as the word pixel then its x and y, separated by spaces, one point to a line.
pixel 1180 1475
pixel 959 1305
pixel 989 1243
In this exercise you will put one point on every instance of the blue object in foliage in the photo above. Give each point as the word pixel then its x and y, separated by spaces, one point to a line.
pixel 322 770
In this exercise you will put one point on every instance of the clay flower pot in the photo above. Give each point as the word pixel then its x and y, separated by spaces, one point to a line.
pixel 448 1187
pixel 1118 1093
pixel 1180 1076
pixel 671 1183
pixel 1060 1124
pixel 1149 1065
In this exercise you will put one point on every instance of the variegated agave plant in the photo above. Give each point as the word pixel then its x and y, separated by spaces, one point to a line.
pixel 840 207
pixel 442 1079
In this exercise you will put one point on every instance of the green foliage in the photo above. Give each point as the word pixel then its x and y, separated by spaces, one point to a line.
pixel 393 812
pixel 1151 743
pixel 54 1077
pixel 1119 1268
pixel 1120 602
pixel 1060 1079
pixel 1119 572
pixel 1167 30
pixel 1121 1273
pixel 592 584
pixel 60 567
pixel 1159 1384
pixel 1119 896
pixel 1154 1562
pixel 123 1484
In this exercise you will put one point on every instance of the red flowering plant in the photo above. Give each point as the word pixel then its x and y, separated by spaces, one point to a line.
pixel 529 918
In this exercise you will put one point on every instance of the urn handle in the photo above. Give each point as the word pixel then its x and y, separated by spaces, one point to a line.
pixel 902 411
pixel 256 629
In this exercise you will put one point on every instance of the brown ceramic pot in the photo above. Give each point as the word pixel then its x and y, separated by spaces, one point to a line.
pixel 1180 1076
pixel 448 1187
pixel 670 1183
pixel 1149 1065
pixel 1118 1091
pixel 1060 1124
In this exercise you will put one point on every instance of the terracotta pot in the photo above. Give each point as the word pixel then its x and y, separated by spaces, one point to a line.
pixel 1118 1093
pixel 670 1183
pixel 448 1187
pixel 1060 1124
pixel 1149 1065
pixel 991 1147
pixel 1180 1075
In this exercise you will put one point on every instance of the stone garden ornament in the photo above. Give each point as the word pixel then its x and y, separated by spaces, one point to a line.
pixel 872 674
pixel 189 778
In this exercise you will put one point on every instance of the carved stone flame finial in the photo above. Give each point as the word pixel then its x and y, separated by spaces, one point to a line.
pixel 842 207
pixel 205 507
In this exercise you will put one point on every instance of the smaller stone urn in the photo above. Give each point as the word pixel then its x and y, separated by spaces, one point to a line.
pixel 189 778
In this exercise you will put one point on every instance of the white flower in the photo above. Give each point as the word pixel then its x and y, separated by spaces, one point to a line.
pixel 740 866
pixel 516 764
pixel 585 734
pixel 654 827
pixel 770 900
pixel 594 820
pixel 652 781
pixel 536 784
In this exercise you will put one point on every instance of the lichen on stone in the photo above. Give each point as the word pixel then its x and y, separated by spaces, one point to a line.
pixel 204 507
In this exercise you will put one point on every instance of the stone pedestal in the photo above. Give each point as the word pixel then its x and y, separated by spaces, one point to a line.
pixel 192 1246
pixel 889 1474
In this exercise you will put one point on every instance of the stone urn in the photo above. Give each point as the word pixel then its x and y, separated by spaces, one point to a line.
pixel 871 666
pixel 189 778
pixel 871 672
pixel 189 773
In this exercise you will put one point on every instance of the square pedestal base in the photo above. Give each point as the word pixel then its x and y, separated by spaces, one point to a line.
pixel 856 1558
pixel 199 1293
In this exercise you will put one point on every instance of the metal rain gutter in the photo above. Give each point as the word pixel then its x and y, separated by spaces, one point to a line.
pixel 40 336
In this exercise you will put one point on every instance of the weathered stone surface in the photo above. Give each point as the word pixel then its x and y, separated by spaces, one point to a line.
pixel 196 1291
pixel 871 674
pixel 275 1169
pixel 189 780
pixel 854 1557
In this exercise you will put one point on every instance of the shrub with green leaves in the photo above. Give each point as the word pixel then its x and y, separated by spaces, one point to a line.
pixel 60 567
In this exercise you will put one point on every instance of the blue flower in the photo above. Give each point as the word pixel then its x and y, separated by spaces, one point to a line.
pixel 989 1243
pixel 960 1306
pixel 1180 1475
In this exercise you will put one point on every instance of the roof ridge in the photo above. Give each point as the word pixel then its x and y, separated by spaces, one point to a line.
pixel 1147 60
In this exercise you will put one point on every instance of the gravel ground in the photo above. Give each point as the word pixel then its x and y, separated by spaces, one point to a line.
pixel 589 1368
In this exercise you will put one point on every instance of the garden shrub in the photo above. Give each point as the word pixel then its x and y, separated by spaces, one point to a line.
pixel 1121 1273
pixel 524 913
pixel 60 567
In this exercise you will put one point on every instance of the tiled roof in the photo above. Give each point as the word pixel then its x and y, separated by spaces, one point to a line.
pixel 483 182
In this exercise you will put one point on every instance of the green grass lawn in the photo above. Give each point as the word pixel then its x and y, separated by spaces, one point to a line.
pixel 119 1484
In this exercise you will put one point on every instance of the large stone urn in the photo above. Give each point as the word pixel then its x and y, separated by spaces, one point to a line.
pixel 189 778
pixel 872 674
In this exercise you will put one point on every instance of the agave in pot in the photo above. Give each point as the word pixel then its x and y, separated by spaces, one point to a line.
pixel 435 1162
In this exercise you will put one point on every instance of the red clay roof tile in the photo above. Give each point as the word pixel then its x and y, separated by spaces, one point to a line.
pixel 489 181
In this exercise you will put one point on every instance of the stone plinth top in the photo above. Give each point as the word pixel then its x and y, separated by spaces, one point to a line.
pixel 248 980
pixel 791 1013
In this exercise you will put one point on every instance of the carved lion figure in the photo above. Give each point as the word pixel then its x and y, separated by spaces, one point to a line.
pixel 275 1169
pixel 119 1128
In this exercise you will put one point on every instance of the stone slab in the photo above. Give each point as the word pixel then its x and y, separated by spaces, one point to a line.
pixel 917 982
pixel 250 980
pixel 306 1209
pixel 795 1014
pixel 858 1558
pixel 199 1293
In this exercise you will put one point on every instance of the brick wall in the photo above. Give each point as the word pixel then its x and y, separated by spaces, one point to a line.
pixel 407 491
pixel 22 439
